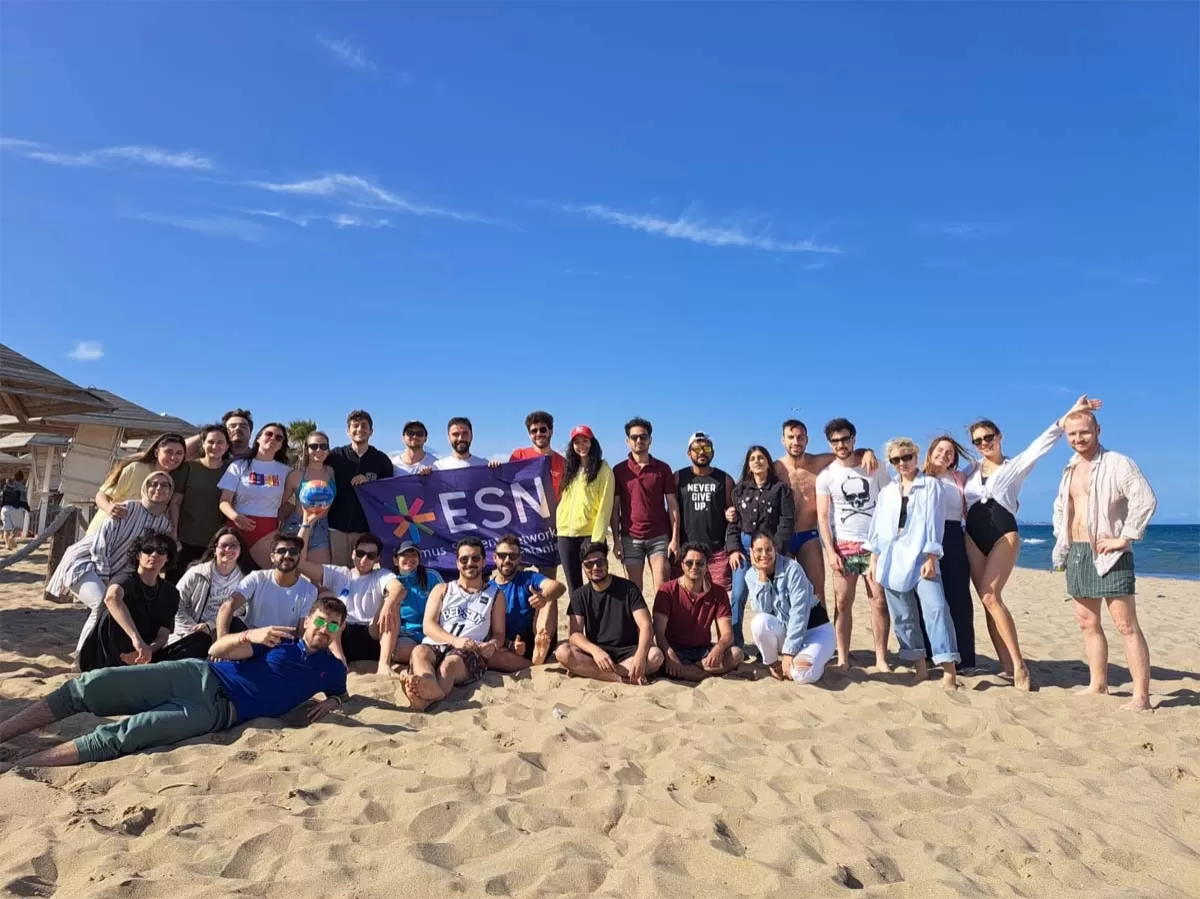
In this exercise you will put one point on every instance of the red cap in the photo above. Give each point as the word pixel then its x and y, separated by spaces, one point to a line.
pixel 582 431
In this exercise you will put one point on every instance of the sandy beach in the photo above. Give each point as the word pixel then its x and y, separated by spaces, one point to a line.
pixel 860 786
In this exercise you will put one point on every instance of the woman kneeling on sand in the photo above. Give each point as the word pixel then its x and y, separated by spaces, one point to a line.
pixel 790 627
pixel 905 544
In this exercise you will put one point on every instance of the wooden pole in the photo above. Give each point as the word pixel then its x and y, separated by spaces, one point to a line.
pixel 59 541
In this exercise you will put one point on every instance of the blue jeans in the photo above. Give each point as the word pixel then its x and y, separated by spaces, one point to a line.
pixel 928 594
pixel 737 599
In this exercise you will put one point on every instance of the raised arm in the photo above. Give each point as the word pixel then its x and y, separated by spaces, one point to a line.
pixel 311 570
pixel 233 647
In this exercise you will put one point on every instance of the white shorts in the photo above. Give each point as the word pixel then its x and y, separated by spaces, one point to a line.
pixel 10 518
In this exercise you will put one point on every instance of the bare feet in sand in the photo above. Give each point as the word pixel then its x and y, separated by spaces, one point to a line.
pixel 1022 680
pixel 541 647
pixel 1093 690
pixel 882 666
pixel 776 670
pixel 422 692
pixel 1137 705
pixel 949 681
pixel 920 673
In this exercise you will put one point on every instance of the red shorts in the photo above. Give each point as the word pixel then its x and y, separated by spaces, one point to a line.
pixel 263 527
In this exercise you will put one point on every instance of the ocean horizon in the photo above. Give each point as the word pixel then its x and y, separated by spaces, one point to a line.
pixel 1167 550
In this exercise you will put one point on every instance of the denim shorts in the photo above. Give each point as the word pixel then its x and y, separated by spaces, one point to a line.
pixel 637 550
pixel 318 538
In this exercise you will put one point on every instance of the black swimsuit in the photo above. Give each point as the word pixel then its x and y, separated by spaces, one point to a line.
pixel 988 521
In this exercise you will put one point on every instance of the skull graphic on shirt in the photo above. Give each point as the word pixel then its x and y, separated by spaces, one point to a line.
pixel 856 491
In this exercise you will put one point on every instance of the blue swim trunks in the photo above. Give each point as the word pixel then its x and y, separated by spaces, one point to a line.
pixel 800 538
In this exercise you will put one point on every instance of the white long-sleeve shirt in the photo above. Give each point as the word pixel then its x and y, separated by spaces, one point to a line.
pixel 901 553
pixel 1004 484
pixel 1120 504
pixel 953 507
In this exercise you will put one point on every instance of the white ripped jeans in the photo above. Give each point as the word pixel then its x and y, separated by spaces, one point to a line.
pixel 89 590
pixel 817 649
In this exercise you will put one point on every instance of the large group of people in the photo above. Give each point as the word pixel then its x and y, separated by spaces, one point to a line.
pixel 227 580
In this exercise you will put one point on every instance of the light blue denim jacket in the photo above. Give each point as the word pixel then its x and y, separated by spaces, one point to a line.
pixel 788 595
pixel 901 555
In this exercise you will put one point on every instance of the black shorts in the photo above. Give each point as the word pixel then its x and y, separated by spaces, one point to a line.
pixel 619 653
pixel 528 636
pixel 692 655
pixel 476 664
pixel 358 644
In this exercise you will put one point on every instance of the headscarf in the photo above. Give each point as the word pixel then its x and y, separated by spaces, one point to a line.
pixel 146 491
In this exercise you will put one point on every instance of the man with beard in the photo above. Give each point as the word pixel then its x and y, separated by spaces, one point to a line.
pixel 531 604
pixel 612 634
pixel 799 469
pixel 464 628
pixel 414 457
pixel 846 499
pixel 239 424
pixel 704 493
pixel 460 434
pixel 355 463
pixel 685 612
pixel 540 426
pixel 276 596
pixel 261 673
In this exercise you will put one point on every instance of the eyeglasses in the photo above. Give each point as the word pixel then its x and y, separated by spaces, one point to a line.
pixel 467 560
pixel 286 551
pixel 837 441
pixel 317 447
pixel 228 545
pixel 156 551
pixel 415 434
pixel 638 438
pixel 984 438
pixel 274 437
pixel 694 563
pixel 504 557
pixel 366 554
pixel 159 484
pixel 322 623
pixel 589 564
pixel 700 447
pixel 907 457
pixel 540 429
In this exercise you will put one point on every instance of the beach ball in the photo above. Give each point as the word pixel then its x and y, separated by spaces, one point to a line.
pixel 316 494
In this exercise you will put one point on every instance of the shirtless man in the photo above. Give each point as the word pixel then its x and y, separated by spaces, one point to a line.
pixel 1104 504
pixel 799 469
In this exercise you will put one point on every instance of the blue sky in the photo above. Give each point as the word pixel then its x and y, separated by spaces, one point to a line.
pixel 716 216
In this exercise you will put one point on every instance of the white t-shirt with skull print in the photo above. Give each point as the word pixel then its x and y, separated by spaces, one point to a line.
pixel 852 494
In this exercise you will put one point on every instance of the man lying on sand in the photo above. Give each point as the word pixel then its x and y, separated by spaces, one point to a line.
pixel 261 673
pixel 464 627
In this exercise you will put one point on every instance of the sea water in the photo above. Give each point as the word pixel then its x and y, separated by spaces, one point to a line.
pixel 1167 550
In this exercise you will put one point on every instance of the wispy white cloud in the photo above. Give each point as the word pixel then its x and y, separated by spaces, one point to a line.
pixel 152 156
pixel 214 225
pixel 302 219
pixel 963 229
pixel 357 191
pixel 685 228
pixel 348 54
pixel 87 351
pixel 346 220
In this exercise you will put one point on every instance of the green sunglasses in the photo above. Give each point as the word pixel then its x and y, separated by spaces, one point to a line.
pixel 321 623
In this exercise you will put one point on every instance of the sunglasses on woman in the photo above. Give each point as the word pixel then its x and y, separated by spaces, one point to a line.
pixel 983 438
pixel 322 623
pixel 318 447
pixel 907 457
pixel 156 551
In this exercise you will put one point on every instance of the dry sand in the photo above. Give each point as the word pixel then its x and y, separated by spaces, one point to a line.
pixel 734 788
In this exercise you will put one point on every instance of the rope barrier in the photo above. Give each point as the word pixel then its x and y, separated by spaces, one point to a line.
pixel 28 549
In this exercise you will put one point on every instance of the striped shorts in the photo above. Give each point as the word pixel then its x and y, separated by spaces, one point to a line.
pixel 1085 582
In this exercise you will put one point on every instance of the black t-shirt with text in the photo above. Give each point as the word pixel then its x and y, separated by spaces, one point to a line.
pixel 702 504
pixel 608 614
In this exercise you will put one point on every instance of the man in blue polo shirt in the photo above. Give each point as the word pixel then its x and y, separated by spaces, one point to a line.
pixel 260 673
pixel 531 609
